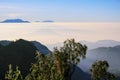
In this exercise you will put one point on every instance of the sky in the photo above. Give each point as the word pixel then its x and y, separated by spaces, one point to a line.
pixel 61 10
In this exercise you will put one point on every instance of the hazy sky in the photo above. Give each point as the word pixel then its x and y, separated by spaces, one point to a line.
pixel 49 33
pixel 61 10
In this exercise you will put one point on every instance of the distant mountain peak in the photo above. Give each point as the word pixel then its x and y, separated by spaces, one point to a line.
pixel 48 21
pixel 107 41
pixel 101 43
pixel 14 21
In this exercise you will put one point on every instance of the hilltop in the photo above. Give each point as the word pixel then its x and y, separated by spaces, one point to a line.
pixel 19 53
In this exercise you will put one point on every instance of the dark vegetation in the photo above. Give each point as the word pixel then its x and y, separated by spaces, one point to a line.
pixel 99 71
pixel 25 63
pixel 20 53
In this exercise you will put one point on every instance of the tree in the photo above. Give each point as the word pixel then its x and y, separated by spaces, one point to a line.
pixel 43 69
pixel 67 58
pixel 61 65
pixel 13 75
pixel 99 71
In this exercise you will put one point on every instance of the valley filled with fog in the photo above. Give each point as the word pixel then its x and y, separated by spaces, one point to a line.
pixel 55 32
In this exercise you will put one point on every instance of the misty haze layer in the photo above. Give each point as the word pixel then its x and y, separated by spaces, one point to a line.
pixel 49 33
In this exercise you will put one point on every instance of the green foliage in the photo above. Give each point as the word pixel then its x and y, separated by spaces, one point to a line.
pixel 61 66
pixel 99 71
pixel 43 69
pixel 67 58
pixel 13 75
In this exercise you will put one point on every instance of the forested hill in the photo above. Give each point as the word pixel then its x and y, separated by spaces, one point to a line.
pixel 20 53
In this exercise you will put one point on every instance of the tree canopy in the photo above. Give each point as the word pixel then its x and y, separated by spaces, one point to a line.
pixel 99 71
pixel 61 65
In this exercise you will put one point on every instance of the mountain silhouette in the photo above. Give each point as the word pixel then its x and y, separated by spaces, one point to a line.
pixel 48 21
pixel 14 21
pixel 79 74
pixel 110 54
pixel 40 47
pixel 18 53
pixel 100 43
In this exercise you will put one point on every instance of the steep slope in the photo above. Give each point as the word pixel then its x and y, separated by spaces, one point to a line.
pixel 20 53
pixel 79 74
pixel 41 48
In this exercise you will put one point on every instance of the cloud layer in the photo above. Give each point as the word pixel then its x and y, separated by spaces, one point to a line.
pixel 49 33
